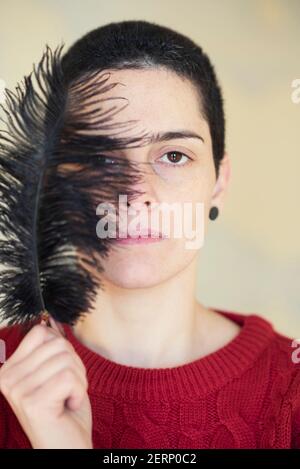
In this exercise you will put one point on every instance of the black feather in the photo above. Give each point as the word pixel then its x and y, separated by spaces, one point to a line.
pixel 52 176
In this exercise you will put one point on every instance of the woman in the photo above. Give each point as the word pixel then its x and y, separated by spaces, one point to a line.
pixel 150 366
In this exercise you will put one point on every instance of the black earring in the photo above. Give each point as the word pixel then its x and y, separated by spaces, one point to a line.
pixel 213 213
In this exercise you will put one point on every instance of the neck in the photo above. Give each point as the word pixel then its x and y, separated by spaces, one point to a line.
pixel 145 327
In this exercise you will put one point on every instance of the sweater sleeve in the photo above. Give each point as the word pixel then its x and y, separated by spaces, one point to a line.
pixel 4 334
pixel 296 429
pixel 296 416
pixel 11 338
pixel 3 422
pixel 296 410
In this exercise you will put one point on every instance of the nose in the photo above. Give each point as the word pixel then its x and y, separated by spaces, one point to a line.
pixel 143 193
pixel 146 202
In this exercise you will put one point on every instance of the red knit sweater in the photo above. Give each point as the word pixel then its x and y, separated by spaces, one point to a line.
pixel 244 395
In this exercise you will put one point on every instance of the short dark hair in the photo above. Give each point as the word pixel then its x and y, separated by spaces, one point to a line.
pixel 141 44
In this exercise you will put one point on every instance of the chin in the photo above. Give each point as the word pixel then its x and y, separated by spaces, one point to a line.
pixel 143 268
pixel 133 274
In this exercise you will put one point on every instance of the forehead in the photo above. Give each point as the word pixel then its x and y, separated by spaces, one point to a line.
pixel 157 98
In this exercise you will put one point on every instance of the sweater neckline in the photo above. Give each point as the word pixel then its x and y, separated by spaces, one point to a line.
pixel 189 380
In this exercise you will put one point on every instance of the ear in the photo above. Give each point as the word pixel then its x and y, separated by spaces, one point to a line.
pixel 222 183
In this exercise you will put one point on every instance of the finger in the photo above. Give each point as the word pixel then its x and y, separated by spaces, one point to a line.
pixel 14 369
pixel 24 368
pixel 57 389
pixel 49 368
pixel 40 333
pixel 32 339
pixel 43 351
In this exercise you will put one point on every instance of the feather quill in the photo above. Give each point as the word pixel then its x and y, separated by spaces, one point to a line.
pixel 53 173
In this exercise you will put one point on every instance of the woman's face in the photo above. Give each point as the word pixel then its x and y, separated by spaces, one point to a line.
pixel 161 102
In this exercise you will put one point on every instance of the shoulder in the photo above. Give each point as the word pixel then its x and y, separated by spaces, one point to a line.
pixel 10 331
pixel 284 384
pixel 274 352
pixel 283 352
pixel 287 362
pixel 278 365
pixel 261 334
pixel 286 354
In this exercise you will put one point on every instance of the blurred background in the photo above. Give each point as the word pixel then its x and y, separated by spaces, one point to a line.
pixel 250 262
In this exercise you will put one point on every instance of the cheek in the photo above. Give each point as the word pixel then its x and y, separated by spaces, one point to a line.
pixel 201 195
pixel 194 210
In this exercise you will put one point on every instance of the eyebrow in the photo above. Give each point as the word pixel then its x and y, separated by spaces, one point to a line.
pixel 172 135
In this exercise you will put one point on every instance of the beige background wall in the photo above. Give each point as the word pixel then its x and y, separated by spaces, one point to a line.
pixel 251 258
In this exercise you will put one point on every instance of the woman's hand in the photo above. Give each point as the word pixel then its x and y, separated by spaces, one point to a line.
pixel 45 383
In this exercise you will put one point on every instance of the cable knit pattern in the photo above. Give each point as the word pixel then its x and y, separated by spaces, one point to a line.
pixel 244 395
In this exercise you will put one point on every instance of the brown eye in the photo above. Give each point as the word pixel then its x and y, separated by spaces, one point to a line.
pixel 175 158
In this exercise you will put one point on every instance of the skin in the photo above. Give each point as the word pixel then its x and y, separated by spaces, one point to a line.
pixel 147 314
